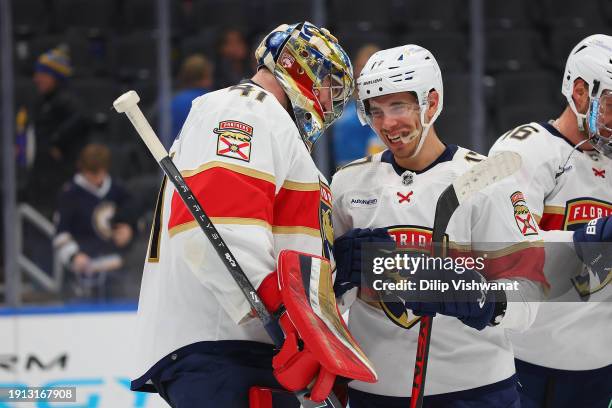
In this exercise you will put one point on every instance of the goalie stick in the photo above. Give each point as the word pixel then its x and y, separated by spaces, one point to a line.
pixel 476 179
pixel 128 104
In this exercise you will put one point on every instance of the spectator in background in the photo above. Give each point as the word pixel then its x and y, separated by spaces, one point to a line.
pixel 352 140
pixel 57 129
pixel 195 78
pixel 92 219
pixel 233 62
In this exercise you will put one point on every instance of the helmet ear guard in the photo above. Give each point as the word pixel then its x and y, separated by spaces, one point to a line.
pixel 313 70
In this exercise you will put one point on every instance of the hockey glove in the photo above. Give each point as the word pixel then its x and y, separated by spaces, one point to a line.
pixel 592 244
pixel 348 255
pixel 295 366
pixel 453 294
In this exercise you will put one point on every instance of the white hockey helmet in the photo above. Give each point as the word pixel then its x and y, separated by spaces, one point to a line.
pixel 591 61
pixel 408 68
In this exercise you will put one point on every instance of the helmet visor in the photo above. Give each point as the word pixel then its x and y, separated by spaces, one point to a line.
pixel 600 122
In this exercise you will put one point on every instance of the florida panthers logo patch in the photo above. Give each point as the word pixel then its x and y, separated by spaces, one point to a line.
pixel 522 215
pixel 234 140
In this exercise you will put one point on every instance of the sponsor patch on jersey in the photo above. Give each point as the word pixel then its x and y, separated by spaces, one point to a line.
pixel 234 140
pixel 325 219
pixel 579 211
pixel 364 202
pixel 524 220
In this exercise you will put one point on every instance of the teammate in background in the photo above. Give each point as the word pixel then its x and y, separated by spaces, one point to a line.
pixel 394 193
pixel 195 78
pixel 92 224
pixel 245 152
pixel 564 359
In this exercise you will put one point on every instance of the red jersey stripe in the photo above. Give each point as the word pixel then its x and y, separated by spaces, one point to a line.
pixel 550 222
pixel 226 193
pixel 525 263
pixel 297 208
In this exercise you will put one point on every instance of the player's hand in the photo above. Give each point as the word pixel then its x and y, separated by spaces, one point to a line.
pixel 295 366
pixel 348 254
pixel 80 262
pixel 122 234
pixel 474 307
pixel 592 244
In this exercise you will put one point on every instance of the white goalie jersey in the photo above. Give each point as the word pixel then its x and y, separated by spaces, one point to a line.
pixel 375 192
pixel 242 156
pixel 565 188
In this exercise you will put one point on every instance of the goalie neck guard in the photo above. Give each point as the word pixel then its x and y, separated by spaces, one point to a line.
pixel 313 70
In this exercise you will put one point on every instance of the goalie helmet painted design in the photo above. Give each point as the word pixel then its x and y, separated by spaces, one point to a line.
pixel 408 68
pixel 591 61
pixel 313 70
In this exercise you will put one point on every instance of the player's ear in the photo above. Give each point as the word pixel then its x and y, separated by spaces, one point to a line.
pixel 580 94
pixel 432 103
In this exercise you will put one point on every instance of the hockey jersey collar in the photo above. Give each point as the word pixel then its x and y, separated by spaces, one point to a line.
pixel 555 132
pixel 447 155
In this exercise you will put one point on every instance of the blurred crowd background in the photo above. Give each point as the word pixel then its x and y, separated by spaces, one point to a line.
pixel 85 183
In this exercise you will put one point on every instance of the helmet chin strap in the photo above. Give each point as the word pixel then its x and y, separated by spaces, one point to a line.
pixel 581 118
pixel 423 134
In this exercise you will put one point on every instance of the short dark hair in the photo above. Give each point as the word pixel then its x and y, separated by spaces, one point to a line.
pixel 94 157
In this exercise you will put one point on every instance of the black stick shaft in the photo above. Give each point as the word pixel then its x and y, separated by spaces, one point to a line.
pixel 445 207
pixel 195 208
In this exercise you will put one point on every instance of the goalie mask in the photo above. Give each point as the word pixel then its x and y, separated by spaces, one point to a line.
pixel 409 68
pixel 313 70
pixel 591 61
